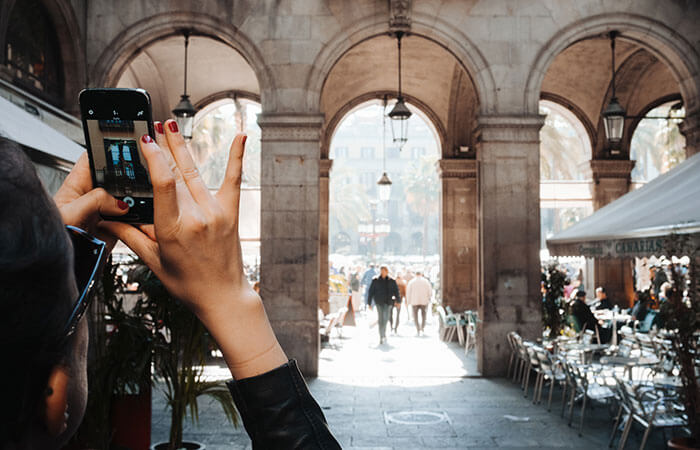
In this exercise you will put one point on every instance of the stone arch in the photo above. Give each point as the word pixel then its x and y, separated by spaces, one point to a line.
pixel 331 126
pixel 663 42
pixel 576 111
pixel 70 43
pixel 658 102
pixel 121 51
pixel 428 27
pixel 223 95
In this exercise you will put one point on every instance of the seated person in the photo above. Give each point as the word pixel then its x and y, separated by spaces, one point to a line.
pixel 641 307
pixel 194 249
pixel 582 311
pixel 585 317
pixel 602 297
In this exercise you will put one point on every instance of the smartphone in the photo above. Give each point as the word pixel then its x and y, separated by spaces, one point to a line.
pixel 114 121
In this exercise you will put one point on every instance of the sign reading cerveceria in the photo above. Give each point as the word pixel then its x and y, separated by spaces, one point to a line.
pixel 623 247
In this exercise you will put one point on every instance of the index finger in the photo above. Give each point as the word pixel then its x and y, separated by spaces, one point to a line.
pixel 165 207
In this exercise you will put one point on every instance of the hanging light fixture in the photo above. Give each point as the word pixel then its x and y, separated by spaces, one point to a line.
pixel 400 113
pixel 614 114
pixel 184 111
pixel 384 182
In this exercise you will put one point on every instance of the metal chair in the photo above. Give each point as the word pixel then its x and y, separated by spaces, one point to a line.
pixel 549 370
pixel 649 406
pixel 582 381
pixel 470 335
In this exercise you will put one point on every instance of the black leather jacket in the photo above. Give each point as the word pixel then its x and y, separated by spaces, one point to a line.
pixel 384 291
pixel 279 412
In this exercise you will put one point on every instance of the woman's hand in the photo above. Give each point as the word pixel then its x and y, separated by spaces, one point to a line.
pixel 80 205
pixel 194 249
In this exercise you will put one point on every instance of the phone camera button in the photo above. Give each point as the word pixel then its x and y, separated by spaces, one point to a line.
pixel 129 201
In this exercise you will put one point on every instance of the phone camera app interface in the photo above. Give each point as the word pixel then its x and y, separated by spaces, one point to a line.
pixel 119 165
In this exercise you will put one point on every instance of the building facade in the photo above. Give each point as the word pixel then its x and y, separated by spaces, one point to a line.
pixel 476 68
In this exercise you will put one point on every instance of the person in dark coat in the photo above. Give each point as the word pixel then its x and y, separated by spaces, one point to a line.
pixel 383 292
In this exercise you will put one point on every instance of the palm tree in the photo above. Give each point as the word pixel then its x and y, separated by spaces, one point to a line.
pixel 348 202
pixel 423 192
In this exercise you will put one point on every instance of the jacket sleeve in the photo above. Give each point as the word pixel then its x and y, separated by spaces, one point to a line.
pixel 370 292
pixel 279 412
pixel 396 293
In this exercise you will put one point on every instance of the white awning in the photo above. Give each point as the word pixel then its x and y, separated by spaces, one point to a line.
pixel 638 223
pixel 18 125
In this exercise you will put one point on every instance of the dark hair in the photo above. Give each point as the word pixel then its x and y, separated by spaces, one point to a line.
pixel 35 256
pixel 580 293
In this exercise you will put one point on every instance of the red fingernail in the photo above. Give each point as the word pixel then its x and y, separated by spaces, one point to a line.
pixel 159 127
pixel 122 204
pixel 245 138
pixel 146 139
pixel 173 126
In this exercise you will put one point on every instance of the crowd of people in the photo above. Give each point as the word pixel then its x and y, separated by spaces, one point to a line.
pixel 583 314
pixel 386 292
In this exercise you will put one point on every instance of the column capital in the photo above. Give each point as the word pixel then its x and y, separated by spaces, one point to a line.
pixel 284 127
pixel 611 168
pixel 324 167
pixel 509 128
pixel 457 168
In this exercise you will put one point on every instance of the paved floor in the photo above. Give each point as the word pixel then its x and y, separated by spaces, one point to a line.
pixel 415 392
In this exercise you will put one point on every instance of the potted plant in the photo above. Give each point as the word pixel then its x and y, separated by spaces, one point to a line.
pixel 118 413
pixel 553 281
pixel 681 316
pixel 179 357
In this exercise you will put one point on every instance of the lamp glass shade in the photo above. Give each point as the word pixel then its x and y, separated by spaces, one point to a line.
pixel 614 121
pixel 399 116
pixel 384 184
pixel 184 116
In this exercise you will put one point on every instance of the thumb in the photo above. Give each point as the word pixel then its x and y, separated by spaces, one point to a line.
pixel 97 201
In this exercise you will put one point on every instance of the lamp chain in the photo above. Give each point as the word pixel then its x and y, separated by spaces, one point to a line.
pixel 187 42
pixel 612 48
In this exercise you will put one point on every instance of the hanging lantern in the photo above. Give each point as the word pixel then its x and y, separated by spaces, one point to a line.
pixel 184 111
pixel 614 114
pixel 384 184
pixel 400 113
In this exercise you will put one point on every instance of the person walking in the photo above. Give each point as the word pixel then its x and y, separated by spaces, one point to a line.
pixel 383 292
pixel 418 294
pixel 396 308
pixel 367 278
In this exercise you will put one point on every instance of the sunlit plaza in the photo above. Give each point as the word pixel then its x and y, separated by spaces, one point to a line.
pixel 472 223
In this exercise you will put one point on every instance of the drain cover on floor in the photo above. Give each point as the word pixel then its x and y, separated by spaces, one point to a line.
pixel 416 417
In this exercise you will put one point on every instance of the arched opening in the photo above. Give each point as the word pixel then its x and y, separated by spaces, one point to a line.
pixel 657 144
pixel 227 106
pixel 429 223
pixel 32 51
pixel 649 67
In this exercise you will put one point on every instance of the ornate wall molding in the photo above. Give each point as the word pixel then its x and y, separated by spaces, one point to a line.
pixel 457 168
pixel 509 128
pixel 290 127
pixel 324 167
pixel 400 15
pixel 611 168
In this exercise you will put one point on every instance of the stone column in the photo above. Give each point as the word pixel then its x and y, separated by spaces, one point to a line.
pixel 690 128
pixel 611 180
pixel 325 166
pixel 458 206
pixel 289 277
pixel 509 235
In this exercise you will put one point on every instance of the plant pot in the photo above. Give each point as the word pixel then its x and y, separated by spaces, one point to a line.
pixel 131 421
pixel 185 445
pixel 683 443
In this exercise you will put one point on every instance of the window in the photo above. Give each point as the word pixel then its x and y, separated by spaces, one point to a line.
pixel 393 153
pixel 417 152
pixel 32 54
pixel 340 152
pixel 367 152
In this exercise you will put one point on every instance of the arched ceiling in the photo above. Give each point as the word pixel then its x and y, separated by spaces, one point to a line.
pixel 428 73
pixel 581 76
pixel 213 67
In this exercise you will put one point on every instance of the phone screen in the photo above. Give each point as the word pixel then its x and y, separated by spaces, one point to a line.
pixel 114 121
